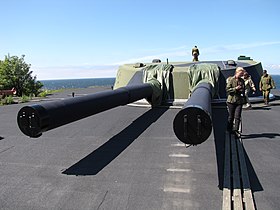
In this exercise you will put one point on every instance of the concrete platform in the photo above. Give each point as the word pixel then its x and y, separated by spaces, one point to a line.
pixel 129 158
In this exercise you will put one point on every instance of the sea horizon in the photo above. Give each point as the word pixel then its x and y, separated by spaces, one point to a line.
pixel 54 84
pixel 76 78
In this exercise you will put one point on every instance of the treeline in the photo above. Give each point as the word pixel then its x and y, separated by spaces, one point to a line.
pixel 15 73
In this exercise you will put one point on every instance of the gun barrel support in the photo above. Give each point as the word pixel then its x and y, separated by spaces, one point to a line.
pixel 35 119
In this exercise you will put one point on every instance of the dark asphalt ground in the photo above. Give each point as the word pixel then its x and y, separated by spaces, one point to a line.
pixel 129 158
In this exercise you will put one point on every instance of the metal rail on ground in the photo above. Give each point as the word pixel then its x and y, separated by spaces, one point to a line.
pixel 237 193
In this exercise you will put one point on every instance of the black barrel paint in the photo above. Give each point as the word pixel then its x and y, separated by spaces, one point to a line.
pixel 193 123
pixel 35 119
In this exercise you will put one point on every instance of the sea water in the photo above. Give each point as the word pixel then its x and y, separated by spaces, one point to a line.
pixel 93 82
pixel 77 83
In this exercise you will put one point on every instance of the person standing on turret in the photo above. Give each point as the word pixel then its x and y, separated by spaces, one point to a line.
pixel 195 53
pixel 266 84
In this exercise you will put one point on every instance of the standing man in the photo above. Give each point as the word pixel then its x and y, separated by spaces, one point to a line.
pixel 195 53
pixel 249 85
pixel 235 99
pixel 266 84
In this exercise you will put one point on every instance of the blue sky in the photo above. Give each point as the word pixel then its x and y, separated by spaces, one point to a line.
pixel 90 38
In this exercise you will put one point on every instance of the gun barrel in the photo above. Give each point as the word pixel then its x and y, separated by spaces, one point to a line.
pixel 193 123
pixel 35 119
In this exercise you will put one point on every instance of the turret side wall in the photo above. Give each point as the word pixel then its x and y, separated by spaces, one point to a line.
pixel 124 75
pixel 254 69
pixel 179 81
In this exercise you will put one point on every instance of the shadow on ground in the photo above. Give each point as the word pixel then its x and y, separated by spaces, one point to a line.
pixel 260 135
pixel 102 156
pixel 261 108
pixel 219 117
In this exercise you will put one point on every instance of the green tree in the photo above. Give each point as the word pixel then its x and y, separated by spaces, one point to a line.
pixel 14 72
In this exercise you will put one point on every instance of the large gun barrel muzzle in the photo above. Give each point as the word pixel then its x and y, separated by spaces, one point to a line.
pixel 35 119
pixel 193 123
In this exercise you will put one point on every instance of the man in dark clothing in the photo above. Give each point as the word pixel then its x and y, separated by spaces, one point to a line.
pixel 195 53
pixel 266 84
pixel 236 97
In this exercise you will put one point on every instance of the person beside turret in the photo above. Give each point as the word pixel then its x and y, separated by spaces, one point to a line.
pixel 195 53
pixel 266 84
pixel 235 89
pixel 249 85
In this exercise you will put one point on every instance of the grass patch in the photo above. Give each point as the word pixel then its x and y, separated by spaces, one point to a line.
pixel 47 92
pixel 7 100
pixel 24 99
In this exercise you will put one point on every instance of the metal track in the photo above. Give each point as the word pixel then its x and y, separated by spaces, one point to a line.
pixel 237 192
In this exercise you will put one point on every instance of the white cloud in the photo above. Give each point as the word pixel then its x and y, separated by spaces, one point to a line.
pixel 167 53
pixel 74 72
pixel 272 68
pixel 185 51
pixel 238 46
pixel 181 53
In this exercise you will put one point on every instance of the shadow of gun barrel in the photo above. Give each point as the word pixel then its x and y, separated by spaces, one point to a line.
pixel 193 123
pixel 35 119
